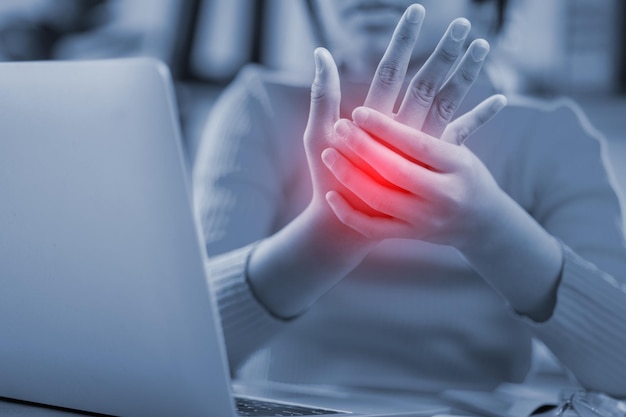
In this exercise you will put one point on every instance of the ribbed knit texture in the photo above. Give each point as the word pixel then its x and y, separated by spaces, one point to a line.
pixel 245 323
pixel 588 326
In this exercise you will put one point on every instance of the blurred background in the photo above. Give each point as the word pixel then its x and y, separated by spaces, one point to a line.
pixel 548 48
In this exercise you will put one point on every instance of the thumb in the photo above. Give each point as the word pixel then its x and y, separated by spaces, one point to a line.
pixel 325 96
pixel 460 129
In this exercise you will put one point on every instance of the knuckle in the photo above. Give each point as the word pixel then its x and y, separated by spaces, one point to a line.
pixel 376 202
pixel 352 220
pixel 483 117
pixel 346 218
pixel 379 203
pixel 417 152
pixel 447 56
pixel 318 92
pixel 423 91
pixel 357 144
pixel 446 108
pixel 343 175
pixel 451 203
pixel 438 223
pixel 378 228
pixel 467 75
pixel 462 133
pixel 405 38
pixel 402 37
pixel 455 201
pixel 402 176
pixel 389 74
pixel 423 150
pixel 321 92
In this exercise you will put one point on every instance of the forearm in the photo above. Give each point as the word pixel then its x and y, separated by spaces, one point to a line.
pixel 517 256
pixel 259 286
pixel 587 330
pixel 291 269
pixel 246 324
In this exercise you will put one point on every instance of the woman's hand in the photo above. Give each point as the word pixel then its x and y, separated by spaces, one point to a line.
pixel 438 88
pixel 406 182
pixel 431 190
pixel 429 103
pixel 441 192
pixel 418 186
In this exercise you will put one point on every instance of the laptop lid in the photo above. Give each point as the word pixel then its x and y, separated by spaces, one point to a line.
pixel 104 305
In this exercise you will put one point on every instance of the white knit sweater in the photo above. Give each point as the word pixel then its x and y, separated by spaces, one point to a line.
pixel 413 315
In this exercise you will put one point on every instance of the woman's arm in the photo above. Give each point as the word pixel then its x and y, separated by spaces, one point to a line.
pixel 442 193
pixel 237 187
pixel 577 203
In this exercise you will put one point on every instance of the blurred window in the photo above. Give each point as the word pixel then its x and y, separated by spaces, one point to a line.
pixel 571 46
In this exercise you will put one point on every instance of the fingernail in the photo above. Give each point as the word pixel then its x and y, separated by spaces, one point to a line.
pixel 329 157
pixel 460 30
pixel 343 128
pixel 360 116
pixel 414 14
pixel 480 50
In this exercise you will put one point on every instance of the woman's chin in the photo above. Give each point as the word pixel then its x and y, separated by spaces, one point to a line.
pixel 383 20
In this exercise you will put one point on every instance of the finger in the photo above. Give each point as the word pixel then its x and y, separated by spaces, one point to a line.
pixel 392 166
pixel 460 129
pixel 369 226
pixel 411 142
pixel 383 200
pixel 429 79
pixel 392 68
pixel 325 97
pixel 452 93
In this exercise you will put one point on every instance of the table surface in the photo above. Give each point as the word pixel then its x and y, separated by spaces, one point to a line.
pixel 515 400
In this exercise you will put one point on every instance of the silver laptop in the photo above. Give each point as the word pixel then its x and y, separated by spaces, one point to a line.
pixel 104 302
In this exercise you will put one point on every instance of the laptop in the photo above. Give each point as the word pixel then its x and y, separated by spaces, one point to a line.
pixel 105 306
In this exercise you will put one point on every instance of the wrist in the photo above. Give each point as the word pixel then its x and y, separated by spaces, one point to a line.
pixel 518 257
pixel 291 269
pixel 486 224
pixel 330 239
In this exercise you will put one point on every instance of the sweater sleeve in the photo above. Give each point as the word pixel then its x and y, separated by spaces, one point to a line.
pixel 575 201
pixel 237 191
pixel 246 323
pixel 587 328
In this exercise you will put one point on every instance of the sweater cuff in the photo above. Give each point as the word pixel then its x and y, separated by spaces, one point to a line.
pixel 246 324
pixel 588 315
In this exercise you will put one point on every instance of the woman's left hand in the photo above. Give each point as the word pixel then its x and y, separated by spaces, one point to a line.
pixel 423 187
pixel 411 167
pixel 408 166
